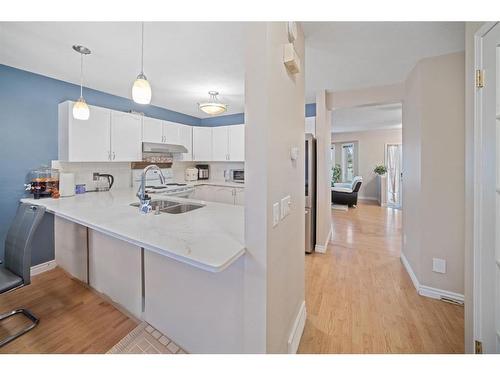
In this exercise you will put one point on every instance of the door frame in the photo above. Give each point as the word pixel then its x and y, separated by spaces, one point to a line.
pixel 480 212
pixel 400 177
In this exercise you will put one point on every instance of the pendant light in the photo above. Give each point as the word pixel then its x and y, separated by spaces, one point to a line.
pixel 141 90
pixel 80 108
pixel 213 106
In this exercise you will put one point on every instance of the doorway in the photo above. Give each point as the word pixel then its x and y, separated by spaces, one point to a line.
pixel 394 164
pixel 486 290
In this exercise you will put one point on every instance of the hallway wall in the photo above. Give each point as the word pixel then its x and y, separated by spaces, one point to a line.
pixel 434 165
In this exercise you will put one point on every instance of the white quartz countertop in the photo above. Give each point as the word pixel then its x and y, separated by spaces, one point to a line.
pixel 210 238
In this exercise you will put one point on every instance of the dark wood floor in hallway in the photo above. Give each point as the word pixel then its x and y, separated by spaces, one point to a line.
pixel 361 300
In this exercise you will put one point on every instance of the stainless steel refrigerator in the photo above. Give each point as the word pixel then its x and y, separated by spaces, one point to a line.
pixel 310 191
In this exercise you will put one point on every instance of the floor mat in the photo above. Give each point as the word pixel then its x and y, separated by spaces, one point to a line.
pixel 145 339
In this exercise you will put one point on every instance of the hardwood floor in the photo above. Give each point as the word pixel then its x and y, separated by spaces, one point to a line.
pixel 361 300
pixel 73 319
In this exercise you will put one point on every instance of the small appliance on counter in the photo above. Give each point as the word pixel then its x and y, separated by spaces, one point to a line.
pixel 67 184
pixel 104 181
pixel 235 175
pixel 191 174
pixel 203 171
pixel 44 183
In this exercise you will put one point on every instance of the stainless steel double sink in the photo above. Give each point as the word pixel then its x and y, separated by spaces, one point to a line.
pixel 171 207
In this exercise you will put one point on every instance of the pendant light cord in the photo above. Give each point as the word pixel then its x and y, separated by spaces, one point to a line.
pixel 81 75
pixel 142 48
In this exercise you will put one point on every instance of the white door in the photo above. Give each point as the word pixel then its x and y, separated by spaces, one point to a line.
pixel 202 143
pixel 90 140
pixel 126 137
pixel 186 140
pixel 394 163
pixel 220 142
pixel 171 133
pixel 487 194
pixel 152 130
pixel 237 143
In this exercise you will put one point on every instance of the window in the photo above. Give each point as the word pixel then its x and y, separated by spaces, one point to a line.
pixel 347 161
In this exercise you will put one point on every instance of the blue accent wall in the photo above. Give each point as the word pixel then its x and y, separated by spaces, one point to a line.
pixel 28 123
pixel 238 118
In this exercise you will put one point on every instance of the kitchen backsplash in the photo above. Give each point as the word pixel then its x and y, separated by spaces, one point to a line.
pixel 122 172
pixel 83 172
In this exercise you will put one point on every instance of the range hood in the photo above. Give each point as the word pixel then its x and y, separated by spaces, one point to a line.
pixel 163 148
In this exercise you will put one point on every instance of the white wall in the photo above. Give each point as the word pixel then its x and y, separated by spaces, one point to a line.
pixel 371 152
pixel 274 117
pixel 323 168
pixel 367 96
pixel 433 164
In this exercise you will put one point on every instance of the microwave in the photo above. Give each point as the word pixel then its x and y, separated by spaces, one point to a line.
pixel 235 175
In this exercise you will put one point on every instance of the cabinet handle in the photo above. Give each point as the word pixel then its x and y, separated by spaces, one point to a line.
pixel 109 155
pixel 114 155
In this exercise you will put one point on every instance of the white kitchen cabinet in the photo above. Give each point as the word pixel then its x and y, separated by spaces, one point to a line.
pixel 152 130
pixel 84 140
pixel 223 194
pixel 171 132
pixel 186 140
pixel 202 143
pixel 236 143
pixel 220 143
pixel 239 196
pixel 310 125
pixel 126 136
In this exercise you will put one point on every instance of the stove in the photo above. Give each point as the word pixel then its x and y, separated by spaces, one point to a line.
pixel 177 189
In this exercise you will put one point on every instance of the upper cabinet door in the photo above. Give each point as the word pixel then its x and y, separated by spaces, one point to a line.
pixel 311 125
pixel 87 140
pixel 186 139
pixel 220 142
pixel 171 132
pixel 126 136
pixel 202 143
pixel 237 143
pixel 152 130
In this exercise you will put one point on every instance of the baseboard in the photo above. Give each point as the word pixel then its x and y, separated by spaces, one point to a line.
pixel 427 291
pixel 42 267
pixel 322 248
pixel 368 198
pixel 297 329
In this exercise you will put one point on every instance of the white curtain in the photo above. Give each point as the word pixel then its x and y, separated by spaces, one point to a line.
pixel 394 173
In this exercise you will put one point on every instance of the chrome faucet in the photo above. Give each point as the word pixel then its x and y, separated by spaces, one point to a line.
pixel 145 201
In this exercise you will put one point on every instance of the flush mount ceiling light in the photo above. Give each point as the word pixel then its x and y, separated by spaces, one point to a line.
pixel 141 90
pixel 213 106
pixel 80 108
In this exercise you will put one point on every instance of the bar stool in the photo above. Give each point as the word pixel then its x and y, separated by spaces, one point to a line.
pixel 15 271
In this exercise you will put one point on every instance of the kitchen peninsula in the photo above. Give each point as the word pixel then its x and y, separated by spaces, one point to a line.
pixel 182 273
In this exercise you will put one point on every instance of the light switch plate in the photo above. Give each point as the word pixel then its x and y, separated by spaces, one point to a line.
pixel 439 265
pixel 276 214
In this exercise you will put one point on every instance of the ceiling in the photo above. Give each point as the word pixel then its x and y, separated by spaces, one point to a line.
pixel 353 55
pixel 374 117
pixel 184 60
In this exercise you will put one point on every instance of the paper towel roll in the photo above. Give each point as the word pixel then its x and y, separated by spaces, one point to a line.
pixel 67 184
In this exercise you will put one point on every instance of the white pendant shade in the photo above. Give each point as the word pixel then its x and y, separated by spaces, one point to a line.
pixel 81 110
pixel 141 90
pixel 213 106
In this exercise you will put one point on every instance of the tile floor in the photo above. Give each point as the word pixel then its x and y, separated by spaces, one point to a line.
pixel 145 339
